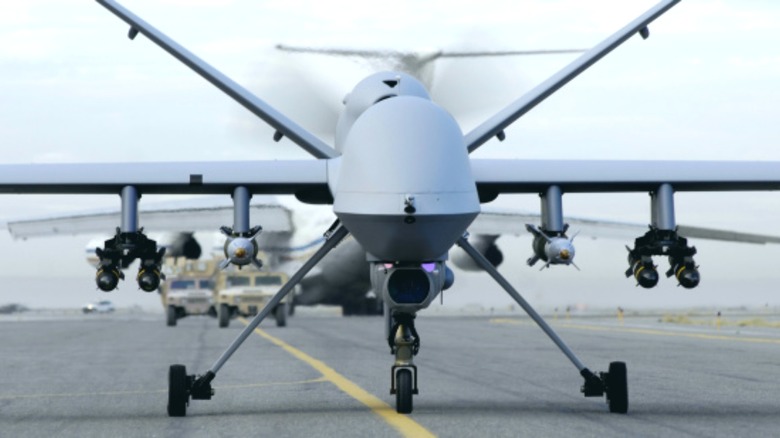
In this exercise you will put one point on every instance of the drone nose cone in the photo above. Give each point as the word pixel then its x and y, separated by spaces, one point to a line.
pixel 647 277
pixel 106 281
pixel 688 278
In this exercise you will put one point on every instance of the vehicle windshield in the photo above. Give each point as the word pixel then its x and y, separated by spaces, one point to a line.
pixel 268 280
pixel 206 284
pixel 183 284
pixel 237 281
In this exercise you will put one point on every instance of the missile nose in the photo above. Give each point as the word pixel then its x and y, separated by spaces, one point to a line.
pixel 106 281
pixel 148 281
pixel 564 254
pixel 688 278
pixel 240 252
pixel 647 277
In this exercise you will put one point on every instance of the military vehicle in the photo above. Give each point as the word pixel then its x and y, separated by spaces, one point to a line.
pixel 246 292
pixel 188 290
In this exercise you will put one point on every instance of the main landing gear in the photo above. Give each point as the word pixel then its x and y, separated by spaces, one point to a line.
pixel 402 338
pixel 613 384
pixel 183 387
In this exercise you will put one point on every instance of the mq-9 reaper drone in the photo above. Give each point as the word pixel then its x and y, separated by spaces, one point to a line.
pixel 401 181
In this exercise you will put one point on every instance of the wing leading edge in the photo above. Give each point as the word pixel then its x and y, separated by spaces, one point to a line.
pixel 496 124
pixel 297 177
pixel 495 176
pixel 283 125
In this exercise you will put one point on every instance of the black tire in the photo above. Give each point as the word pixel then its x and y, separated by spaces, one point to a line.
pixel 281 315
pixel 224 315
pixel 617 388
pixel 177 391
pixel 170 314
pixel 403 391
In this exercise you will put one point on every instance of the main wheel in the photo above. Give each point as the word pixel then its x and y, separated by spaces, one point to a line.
pixel 281 315
pixel 403 392
pixel 177 391
pixel 170 314
pixel 224 315
pixel 617 388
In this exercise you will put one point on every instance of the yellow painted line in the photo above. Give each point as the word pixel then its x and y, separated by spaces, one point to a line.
pixel 155 391
pixel 404 424
pixel 649 332
pixel 261 385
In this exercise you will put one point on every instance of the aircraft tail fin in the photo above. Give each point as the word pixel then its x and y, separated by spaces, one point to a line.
pixel 416 63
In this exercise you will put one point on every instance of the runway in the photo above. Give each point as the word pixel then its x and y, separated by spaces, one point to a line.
pixel 323 375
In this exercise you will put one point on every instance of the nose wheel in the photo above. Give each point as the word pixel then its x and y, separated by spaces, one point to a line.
pixel 405 344
pixel 404 389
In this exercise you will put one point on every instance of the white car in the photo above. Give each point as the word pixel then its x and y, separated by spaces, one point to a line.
pixel 104 306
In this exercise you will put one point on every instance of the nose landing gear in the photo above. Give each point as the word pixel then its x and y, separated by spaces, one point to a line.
pixel 405 344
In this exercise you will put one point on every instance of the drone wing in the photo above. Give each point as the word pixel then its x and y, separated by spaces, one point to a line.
pixel 594 176
pixel 283 125
pixel 298 177
pixel 495 125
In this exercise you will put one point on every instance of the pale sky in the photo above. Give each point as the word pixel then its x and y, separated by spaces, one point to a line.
pixel 704 86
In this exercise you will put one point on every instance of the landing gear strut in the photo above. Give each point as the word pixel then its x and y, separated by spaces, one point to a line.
pixel 405 344
pixel 183 387
pixel 613 383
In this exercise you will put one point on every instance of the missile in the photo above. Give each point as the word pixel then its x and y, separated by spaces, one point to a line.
pixel 554 250
pixel 645 274
pixel 685 271
pixel 240 250
pixel 107 277
pixel 149 278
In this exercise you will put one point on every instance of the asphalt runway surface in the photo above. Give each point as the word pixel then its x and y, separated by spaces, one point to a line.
pixel 324 375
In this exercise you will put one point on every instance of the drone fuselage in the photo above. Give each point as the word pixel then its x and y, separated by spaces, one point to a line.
pixel 403 186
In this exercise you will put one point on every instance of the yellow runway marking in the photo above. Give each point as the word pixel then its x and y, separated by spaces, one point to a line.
pixel 405 425
pixel 260 385
pixel 153 391
pixel 648 332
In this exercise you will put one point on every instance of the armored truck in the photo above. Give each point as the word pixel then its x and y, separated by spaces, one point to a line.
pixel 246 292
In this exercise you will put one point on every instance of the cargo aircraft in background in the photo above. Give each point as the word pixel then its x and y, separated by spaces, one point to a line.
pixel 402 185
